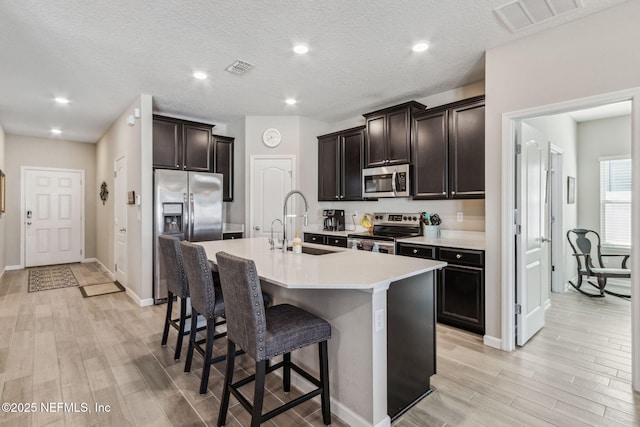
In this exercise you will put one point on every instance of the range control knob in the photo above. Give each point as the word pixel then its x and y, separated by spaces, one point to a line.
pixel 404 218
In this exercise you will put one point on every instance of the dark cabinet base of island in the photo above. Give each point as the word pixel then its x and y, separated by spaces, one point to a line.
pixel 411 341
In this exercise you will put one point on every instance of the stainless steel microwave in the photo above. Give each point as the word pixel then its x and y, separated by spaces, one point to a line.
pixel 386 181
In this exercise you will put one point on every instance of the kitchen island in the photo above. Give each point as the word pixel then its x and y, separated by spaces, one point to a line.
pixel 381 309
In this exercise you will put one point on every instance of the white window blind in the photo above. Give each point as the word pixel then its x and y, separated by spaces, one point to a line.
pixel 615 202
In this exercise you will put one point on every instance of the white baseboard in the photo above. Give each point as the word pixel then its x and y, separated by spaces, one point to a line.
pixel 141 302
pixel 492 342
pixel 13 267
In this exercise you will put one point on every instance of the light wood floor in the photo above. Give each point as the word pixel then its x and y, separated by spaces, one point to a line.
pixel 576 371
pixel 56 346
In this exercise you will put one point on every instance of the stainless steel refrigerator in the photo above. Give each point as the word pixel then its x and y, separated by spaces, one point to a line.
pixel 186 205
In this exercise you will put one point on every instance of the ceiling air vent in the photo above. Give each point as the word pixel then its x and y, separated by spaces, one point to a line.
pixel 520 14
pixel 239 67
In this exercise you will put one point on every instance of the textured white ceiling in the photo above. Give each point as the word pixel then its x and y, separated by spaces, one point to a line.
pixel 102 55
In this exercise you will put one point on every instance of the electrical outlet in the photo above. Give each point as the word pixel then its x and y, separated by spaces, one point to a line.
pixel 460 217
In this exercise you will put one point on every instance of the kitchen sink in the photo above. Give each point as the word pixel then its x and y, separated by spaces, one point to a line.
pixel 313 251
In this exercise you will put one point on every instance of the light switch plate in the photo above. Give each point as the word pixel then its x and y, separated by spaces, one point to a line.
pixel 460 217
pixel 379 320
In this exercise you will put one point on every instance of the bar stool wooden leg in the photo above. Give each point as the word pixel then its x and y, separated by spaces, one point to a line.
pixel 183 321
pixel 167 319
pixel 324 379
pixel 204 381
pixel 228 380
pixel 258 395
pixel 192 340
pixel 286 373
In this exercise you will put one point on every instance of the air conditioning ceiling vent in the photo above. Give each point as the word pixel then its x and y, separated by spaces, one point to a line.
pixel 521 14
pixel 239 67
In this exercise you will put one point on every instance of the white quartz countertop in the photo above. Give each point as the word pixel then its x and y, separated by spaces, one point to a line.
pixel 450 238
pixel 343 269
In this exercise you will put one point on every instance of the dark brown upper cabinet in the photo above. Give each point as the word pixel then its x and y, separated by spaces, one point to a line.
pixel 448 151
pixel 223 163
pixel 182 145
pixel 340 162
pixel 388 134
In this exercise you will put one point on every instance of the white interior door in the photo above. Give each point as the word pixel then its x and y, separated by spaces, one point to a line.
pixel 271 179
pixel 120 206
pixel 532 247
pixel 54 227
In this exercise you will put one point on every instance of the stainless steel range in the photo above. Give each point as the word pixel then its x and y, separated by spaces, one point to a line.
pixel 387 228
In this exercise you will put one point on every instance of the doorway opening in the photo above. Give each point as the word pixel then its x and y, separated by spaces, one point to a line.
pixel 509 197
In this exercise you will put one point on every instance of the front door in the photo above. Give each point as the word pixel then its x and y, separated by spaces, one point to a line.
pixel 271 179
pixel 120 205
pixel 54 227
pixel 532 247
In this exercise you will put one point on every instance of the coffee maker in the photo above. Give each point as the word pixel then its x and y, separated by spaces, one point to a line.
pixel 333 219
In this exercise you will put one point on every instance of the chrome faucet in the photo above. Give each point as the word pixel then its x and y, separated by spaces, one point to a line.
pixel 285 216
pixel 271 241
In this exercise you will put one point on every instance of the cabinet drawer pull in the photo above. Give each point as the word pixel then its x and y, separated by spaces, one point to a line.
pixel 444 193
pixel 336 241
pixel 458 256
pixel 177 166
pixel 415 251
pixel 453 193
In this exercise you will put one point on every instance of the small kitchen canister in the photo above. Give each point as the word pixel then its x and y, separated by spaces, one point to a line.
pixel 432 231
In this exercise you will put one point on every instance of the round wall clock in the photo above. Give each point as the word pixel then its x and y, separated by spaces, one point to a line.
pixel 271 137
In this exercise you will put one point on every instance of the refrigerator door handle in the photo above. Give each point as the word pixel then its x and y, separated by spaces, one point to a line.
pixel 191 215
pixel 187 226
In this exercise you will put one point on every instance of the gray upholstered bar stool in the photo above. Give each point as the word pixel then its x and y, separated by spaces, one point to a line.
pixel 173 272
pixel 207 301
pixel 265 333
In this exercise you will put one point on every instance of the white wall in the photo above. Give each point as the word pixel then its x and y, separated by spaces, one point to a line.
pixel 562 131
pixel 3 262
pixel 582 58
pixel 51 153
pixel 136 143
pixel 597 138
pixel 234 211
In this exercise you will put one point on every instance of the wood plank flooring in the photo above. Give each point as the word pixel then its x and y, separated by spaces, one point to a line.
pixel 56 346
pixel 575 372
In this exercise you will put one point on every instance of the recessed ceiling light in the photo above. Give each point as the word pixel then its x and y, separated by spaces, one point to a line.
pixel 56 131
pixel 301 49
pixel 420 47
pixel 61 100
pixel 200 75
pixel 290 101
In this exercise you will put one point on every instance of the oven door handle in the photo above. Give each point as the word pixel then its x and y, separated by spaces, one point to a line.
pixel 393 182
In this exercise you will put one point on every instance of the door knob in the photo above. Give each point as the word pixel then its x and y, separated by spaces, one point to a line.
pixel 544 239
pixel 257 228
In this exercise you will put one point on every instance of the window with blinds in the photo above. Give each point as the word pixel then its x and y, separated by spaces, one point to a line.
pixel 615 202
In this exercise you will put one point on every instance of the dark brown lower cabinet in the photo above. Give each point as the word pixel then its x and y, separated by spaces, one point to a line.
pixel 461 297
pixel 460 285
pixel 325 239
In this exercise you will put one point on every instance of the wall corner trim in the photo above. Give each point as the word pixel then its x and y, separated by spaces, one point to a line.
pixel 492 342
